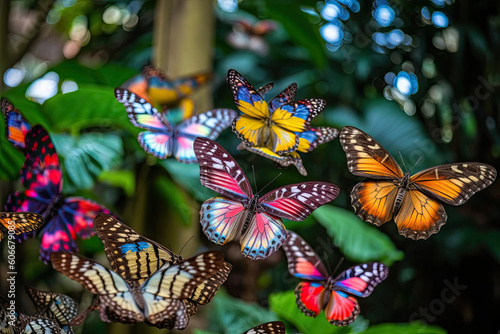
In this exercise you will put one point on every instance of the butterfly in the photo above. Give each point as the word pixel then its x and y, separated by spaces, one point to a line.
pixel 247 36
pixel 165 91
pixel 164 138
pixel 12 322
pixel 320 291
pixel 276 124
pixel 238 213
pixel 273 327
pixel 157 301
pixel 55 306
pixel 413 200
pixel 308 141
pixel 17 126
pixel 41 177
pixel 135 258
pixel 20 222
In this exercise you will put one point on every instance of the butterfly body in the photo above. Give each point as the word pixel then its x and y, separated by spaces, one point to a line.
pixel 412 200
pixel 238 213
pixel 320 291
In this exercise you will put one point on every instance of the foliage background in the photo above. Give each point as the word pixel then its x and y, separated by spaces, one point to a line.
pixel 452 116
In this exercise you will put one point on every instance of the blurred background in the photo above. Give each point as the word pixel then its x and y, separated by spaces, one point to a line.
pixel 421 77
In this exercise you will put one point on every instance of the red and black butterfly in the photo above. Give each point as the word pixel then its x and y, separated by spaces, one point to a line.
pixel 239 213
pixel 323 292
pixel 41 177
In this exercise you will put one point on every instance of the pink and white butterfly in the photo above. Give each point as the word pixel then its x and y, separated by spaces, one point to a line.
pixel 238 213
pixel 163 137
pixel 323 292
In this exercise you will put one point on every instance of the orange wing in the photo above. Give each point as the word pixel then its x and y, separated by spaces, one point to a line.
pixel 22 222
pixel 454 183
pixel 419 216
pixel 373 201
pixel 366 157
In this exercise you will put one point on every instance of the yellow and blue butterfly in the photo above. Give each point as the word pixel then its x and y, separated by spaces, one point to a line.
pixel 275 125
pixel 308 141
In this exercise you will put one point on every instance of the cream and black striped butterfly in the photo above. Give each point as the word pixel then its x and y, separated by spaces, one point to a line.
pixel 413 200
pixel 13 322
pixel 157 302
pixel 56 306
pixel 135 258
pixel 273 327
pixel 20 222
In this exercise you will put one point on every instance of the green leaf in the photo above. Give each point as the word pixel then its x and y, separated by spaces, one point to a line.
pixel 411 328
pixel 175 197
pixel 232 315
pixel 90 106
pixel 299 28
pixel 358 241
pixel 124 179
pixel 87 156
pixel 284 305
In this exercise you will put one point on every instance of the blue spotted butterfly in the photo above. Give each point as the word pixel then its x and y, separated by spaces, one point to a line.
pixel 163 138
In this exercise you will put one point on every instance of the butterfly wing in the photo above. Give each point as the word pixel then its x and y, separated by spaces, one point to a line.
pixel 285 97
pixel 220 172
pixel 38 325
pixel 310 139
pixel 303 262
pixel 365 157
pixel 158 139
pixel 454 183
pixel 283 160
pixel 222 219
pixel 373 200
pixel 131 255
pixel 298 201
pixel 52 305
pixel 341 308
pixel 309 297
pixel 21 222
pixel 165 312
pixel 116 299
pixel 208 124
pixel 137 85
pixel 204 292
pixel 274 327
pixel 262 91
pixel 360 280
pixel 17 126
pixel 263 236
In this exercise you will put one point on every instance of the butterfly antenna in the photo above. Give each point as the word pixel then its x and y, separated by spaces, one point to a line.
pixel 185 244
pixel 269 183
pixel 416 163
pixel 254 179
pixel 325 258
pixel 338 264
pixel 402 161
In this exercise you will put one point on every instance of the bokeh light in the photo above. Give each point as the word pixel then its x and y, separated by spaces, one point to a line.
pixel 43 88
pixel 384 15
pixel 229 6
pixel 13 77
pixel 332 33
pixel 406 83
pixel 439 19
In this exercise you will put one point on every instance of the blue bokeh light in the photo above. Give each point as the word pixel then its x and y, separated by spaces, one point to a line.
pixel 439 19
pixel 406 83
pixel 332 11
pixel 384 15
pixel 332 33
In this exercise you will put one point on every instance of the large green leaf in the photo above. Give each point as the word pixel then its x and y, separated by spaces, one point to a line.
pixel 284 305
pixel 85 157
pixel 358 241
pixel 232 315
pixel 299 28
pixel 411 328
pixel 90 106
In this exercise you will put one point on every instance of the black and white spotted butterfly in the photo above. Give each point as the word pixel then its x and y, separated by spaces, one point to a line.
pixel 135 258
pixel 13 322
pixel 55 306
pixel 273 327
pixel 157 301
pixel 321 291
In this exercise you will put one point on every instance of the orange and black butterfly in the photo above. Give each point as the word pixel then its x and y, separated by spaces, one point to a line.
pixel 20 222
pixel 413 200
